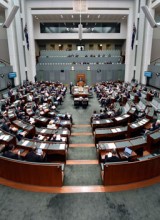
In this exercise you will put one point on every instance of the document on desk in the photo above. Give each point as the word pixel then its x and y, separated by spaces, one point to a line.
pixel 58 137
pixel 6 137
pixel 1 137
pixel 42 146
pixel 43 130
pixel 62 146
pixel 118 118
pixel 108 121
pixel 111 145
pixel 140 123
pixel 134 125
pixel 40 137
pixel 64 132
pixel 25 143
pixel 144 120
pixel 113 130
pixel 126 115
pixel 118 129
pixel 97 122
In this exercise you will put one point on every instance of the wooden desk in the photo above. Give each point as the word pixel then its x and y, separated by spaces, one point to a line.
pixel 54 151
pixel 80 91
pixel 132 157
pixel 41 121
pixel 149 96
pixel 6 138
pixel 135 127
pixel 102 123
pixel 79 101
pixel 40 174
pixel 25 126
pixel 153 140
pixel 101 134
pixel 49 132
pixel 125 173
pixel 137 144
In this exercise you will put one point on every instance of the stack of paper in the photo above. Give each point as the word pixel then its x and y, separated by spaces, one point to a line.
pixel 114 130
pixel 111 145
pixel 42 146
pixel 25 143
pixel 62 146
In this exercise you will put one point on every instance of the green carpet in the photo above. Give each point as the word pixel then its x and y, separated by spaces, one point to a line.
pixel 81 139
pixel 82 153
pixel 80 115
pixel 82 175
pixel 141 204
pixel 81 129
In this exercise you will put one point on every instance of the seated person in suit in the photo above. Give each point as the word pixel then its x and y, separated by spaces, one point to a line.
pixel 112 157
pixel 6 126
pixel 56 138
pixel 153 127
pixel 9 152
pixel 35 155
pixel 141 114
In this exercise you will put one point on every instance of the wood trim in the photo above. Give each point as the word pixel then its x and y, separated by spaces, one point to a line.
pixel 81 134
pixel 80 189
pixel 80 162
pixel 81 125
pixel 82 145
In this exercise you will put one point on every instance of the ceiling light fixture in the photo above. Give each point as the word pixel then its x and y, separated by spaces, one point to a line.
pixel 80 25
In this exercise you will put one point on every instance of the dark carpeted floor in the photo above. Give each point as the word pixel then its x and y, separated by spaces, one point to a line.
pixel 82 175
pixel 141 204
pixel 82 153
pixel 81 139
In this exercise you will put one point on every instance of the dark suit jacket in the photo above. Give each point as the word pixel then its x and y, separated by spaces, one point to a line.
pixel 112 159
pixel 10 154
pixel 33 157
pixel 5 127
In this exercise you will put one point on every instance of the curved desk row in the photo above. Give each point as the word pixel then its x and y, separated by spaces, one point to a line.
pixel 104 123
pixel 55 151
pixel 41 174
pixel 138 144
pixel 124 173
pixel 131 130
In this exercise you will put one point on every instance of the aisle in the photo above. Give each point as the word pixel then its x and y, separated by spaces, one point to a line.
pixel 82 167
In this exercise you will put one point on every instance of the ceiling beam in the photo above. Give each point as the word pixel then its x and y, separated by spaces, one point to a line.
pixel 4 4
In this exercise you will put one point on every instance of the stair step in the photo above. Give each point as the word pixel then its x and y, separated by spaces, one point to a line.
pixel 81 133
pixel 80 162
pixel 82 145
pixel 81 125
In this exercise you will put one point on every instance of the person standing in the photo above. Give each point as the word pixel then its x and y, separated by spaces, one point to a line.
pixel 70 87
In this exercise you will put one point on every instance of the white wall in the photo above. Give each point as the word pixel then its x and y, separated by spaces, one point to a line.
pixel 4 53
pixel 155 44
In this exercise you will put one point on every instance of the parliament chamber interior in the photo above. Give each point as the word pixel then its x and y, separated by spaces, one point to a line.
pixel 79 96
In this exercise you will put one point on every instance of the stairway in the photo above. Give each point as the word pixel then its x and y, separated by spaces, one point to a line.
pixel 82 167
